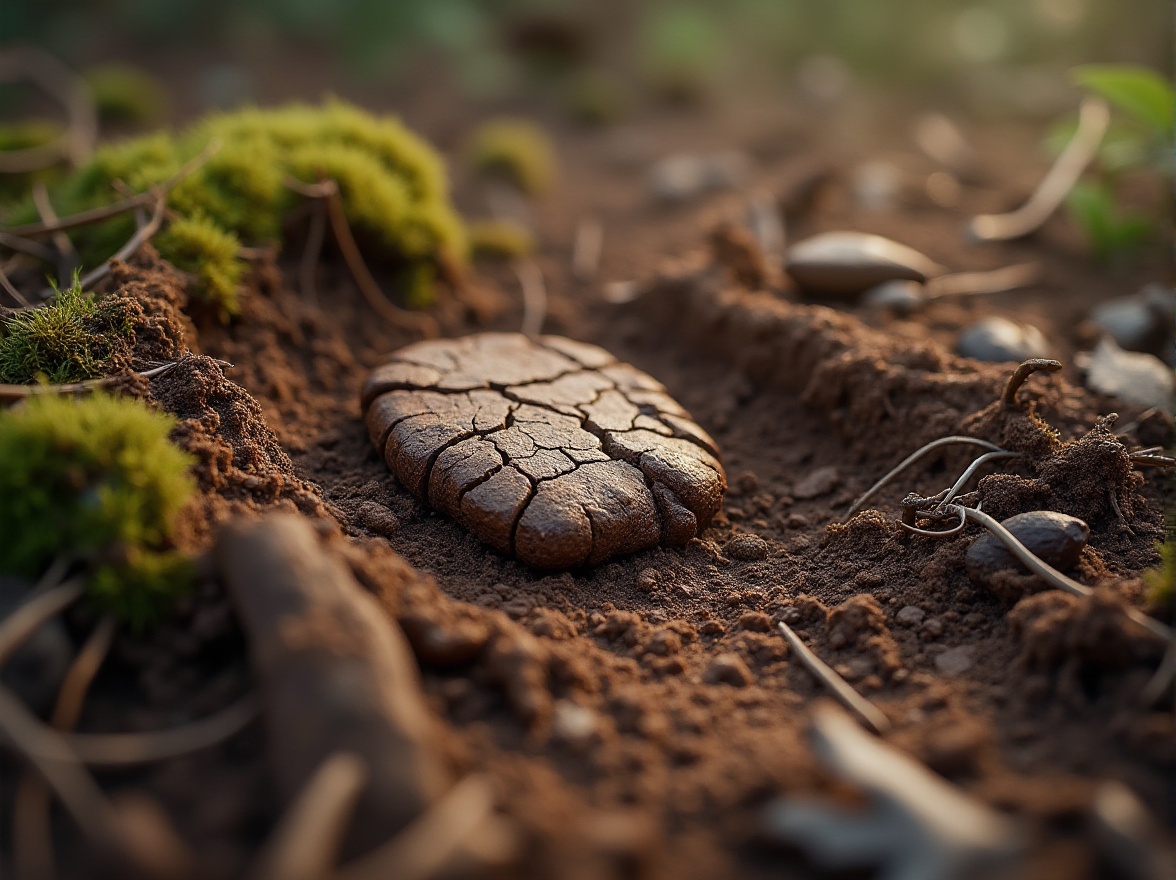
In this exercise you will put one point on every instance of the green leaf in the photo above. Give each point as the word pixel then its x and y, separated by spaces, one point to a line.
pixel 1114 236
pixel 1140 91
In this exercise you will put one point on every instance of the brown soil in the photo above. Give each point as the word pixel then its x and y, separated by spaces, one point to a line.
pixel 633 717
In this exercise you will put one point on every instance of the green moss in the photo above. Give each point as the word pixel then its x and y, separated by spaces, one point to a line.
pixel 75 338
pixel 197 245
pixel 393 186
pixel 141 590
pixel 500 239
pixel 31 133
pixel 515 149
pixel 123 93
pixel 97 480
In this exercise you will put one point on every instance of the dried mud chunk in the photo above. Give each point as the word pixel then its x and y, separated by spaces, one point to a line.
pixel 547 449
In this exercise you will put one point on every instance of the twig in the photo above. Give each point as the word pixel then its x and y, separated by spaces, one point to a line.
pixel 142 235
pixel 33 835
pixel 586 249
pixel 125 749
pixel 11 290
pixel 26 246
pixel 66 87
pixel 306 841
pixel 969 471
pixel 30 616
pixel 328 191
pixel 982 283
pixel 869 714
pixel 910 460
pixel 105 212
pixel 421 850
pixel 534 296
pixel 1093 117
pixel 11 393
pixel 67 256
pixel 960 525
pixel 1023 372
pixel 1159 683
pixel 314 250
pixel 48 751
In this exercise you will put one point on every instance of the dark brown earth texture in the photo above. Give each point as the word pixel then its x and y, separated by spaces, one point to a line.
pixel 576 557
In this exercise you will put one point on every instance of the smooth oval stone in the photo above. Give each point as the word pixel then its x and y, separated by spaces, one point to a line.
pixel 546 449
pixel 1137 378
pixel 902 297
pixel 845 264
pixel 997 340
pixel 1053 537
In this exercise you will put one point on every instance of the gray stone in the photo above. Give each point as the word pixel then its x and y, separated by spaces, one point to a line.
pixel 902 296
pixel 999 340
pixel 910 615
pixel 1053 537
pixel 956 661
pixel 1144 322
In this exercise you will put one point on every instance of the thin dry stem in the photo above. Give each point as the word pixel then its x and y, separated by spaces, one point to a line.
pixel 126 749
pixel 420 851
pixel 105 212
pixel 969 472
pixel 867 713
pixel 67 256
pixel 11 290
pixel 13 393
pixel 328 191
pixel 982 283
pixel 912 459
pixel 310 256
pixel 1093 118
pixel 65 87
pixel 534 296
pixel 33 614
pixel 306 841
pixel 33 837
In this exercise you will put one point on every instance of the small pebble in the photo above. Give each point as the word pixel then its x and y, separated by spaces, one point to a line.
pixel 727 669
pixel 901 296
pixel 748 548
pixel 998 340
pixel 877 185
pixel 647 581
pixel 377 518
pixel 1054 537
pixel 1144 322
pixel 846 264
pixel 797 521
pixel 572 723
pixel 820 482
pixel 932 628
pixel 1138 378
pixel 956 661
pixel 910 615
pixel 684 177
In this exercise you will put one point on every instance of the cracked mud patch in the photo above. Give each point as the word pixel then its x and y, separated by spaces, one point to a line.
pixel 548 450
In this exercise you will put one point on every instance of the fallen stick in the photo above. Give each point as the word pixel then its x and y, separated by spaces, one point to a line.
pixel 335 674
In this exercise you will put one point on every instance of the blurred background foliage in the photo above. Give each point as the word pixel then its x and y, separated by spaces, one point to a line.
pixel 988 54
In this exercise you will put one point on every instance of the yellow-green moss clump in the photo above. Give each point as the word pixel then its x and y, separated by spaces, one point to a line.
pixel 95 480
pixel 75 338
pixel 392 183
pixel 1161 581
pixel 515 149
pixel 500 239
pixel 198 245
pixel 123 93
